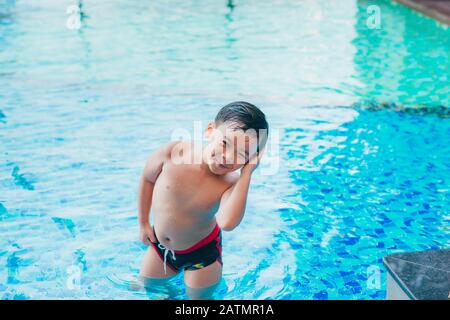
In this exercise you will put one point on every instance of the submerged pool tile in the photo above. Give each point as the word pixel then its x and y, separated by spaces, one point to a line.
pixel 354 148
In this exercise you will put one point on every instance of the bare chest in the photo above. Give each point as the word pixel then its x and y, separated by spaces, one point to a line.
pixel 190 187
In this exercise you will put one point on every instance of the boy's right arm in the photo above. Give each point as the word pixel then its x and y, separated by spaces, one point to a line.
pixel 151 172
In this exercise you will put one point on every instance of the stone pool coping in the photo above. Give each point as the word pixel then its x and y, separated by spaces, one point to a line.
pixel 436 9
pixel 423 275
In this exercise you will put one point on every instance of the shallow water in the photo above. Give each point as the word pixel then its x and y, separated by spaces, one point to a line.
pixel 81 110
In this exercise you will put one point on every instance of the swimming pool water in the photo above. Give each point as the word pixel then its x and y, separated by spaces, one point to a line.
pixel 362 116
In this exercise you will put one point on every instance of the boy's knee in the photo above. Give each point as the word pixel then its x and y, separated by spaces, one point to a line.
pixel 201 293
pixel 152 283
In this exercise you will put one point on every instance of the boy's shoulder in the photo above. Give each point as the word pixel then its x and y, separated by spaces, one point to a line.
pixel 166 150
pixel 178 151
pixel 180 148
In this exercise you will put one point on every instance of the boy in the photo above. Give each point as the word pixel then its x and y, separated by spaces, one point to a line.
pixel 192 202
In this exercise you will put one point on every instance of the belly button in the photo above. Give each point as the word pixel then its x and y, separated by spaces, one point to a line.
pixel 167 239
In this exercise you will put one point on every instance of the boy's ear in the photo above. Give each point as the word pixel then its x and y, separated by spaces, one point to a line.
pixel 209 130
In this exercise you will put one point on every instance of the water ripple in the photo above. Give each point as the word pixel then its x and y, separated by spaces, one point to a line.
pixel 362 117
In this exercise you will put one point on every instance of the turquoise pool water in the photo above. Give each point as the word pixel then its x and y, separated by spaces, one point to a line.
pixel 362 116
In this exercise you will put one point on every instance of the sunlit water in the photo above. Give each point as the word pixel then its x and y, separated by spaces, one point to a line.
pixel 361 115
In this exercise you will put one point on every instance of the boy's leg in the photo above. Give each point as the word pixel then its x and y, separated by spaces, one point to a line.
pixel 152 269
pixel 200 284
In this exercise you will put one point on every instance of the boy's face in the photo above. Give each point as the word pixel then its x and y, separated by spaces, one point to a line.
pixel 229 149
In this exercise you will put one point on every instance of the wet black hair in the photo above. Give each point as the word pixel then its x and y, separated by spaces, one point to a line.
pixel 244 116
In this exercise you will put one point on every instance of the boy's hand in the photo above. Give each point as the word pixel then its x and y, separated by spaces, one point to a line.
pixel 147 234
pixel 253 163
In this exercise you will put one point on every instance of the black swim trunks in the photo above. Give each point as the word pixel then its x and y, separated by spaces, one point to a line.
pixel 200 255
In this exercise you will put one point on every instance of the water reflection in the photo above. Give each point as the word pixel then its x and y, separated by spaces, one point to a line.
pixel 406 61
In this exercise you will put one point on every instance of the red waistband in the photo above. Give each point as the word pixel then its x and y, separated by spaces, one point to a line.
pixel 202 242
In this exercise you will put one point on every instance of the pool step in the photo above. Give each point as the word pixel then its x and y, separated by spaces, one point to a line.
pixel 423 275
pixel 436 9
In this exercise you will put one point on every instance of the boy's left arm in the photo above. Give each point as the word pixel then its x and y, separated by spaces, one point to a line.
pixel 233 201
